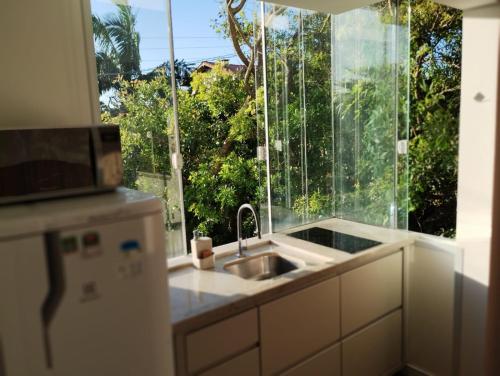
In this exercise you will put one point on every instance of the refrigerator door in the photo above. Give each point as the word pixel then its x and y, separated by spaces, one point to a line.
pixel 89 300
pixel 23 288
pixel 112 316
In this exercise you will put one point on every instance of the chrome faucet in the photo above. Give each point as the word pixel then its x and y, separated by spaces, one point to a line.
pixel 238 226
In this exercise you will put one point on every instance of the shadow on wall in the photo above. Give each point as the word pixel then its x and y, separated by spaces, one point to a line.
pixel 438 316
pixel 470 335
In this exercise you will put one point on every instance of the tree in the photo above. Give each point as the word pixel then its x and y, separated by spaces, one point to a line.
pixel 217 123
pixel 182 72
pixel 213 114
pixel 436 38
pixel 118 46
pixel 233 23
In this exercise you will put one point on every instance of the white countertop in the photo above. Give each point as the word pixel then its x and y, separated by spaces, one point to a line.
pixel 204 296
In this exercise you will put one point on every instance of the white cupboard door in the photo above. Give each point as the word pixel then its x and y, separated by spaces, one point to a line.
pixel 246 364
pixel 326 363
pixel 371 291
pixel 299 325
pixel 215 343
pixel 375 350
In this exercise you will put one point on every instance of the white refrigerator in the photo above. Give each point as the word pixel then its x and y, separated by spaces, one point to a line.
pixel 84 288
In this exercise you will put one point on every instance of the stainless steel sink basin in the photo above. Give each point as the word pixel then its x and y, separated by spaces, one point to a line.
pixel 262 266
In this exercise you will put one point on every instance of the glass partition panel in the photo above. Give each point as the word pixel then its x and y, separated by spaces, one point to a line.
pixel 133 70
pixel 336 89
pixel 299 116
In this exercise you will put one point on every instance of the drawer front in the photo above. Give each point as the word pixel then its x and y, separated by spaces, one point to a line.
pixel 326 363
pixel 246 364
pixel 211 345
pixel 371 291
pixel 299 325
pixel 375 350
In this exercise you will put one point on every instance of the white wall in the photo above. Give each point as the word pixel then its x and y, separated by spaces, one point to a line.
pixel 480 62
pixel 48 72
pixel 431 267
pixel 467 4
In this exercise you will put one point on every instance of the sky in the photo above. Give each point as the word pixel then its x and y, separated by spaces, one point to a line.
pixel 194 38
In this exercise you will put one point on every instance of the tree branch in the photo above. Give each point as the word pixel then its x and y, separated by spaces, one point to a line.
pixel 234 34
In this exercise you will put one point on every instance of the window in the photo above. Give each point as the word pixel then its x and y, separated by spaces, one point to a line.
pixel 329 98
pixel 215 110
pixel 133 70
pixel 337 99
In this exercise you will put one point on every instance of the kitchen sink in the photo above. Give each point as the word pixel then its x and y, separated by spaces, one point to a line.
pixel 259 267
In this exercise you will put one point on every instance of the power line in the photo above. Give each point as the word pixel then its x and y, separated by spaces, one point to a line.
pixel 191 37
pixel 211 58
pixel 180 37
pixel 195 60
pixel 183 48
pixel 148 70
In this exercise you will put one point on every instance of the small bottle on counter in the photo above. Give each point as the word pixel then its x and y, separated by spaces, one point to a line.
pixel 201 251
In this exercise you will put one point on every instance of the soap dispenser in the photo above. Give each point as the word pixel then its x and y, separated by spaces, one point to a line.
pixel 201 251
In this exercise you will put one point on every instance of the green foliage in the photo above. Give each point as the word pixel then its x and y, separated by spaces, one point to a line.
pixel 436 36
pixel 362 159
pixel 215 194
pixel 144 126
pixel 316 204
pixel 217 122
pixel 217 126
pixel 222 91
pixel 117 46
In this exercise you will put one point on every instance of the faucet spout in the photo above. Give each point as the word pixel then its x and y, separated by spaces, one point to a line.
pixel 238 226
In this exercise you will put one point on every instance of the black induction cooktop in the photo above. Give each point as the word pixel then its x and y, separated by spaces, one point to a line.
pixel 334 239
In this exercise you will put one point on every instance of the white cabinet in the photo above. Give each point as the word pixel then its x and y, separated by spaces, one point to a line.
pixel 299 325
pixel 350 325
pixel 371 291
pixel 326 363
pixel 375 350
pixel 215 343
pixel 246 364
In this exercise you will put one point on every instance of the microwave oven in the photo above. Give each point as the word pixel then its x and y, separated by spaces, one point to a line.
pixel 40 164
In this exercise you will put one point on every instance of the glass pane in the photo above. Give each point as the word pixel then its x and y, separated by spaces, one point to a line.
pixel 336 89
pixel 298 66
pixel 403 56
pixel 217 115
pixel 132 54
pixel 366 109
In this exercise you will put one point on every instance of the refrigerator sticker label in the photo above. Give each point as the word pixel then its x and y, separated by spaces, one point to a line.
pixel 89 292
pixel 69 244
pixel 91 245
pixel 130 270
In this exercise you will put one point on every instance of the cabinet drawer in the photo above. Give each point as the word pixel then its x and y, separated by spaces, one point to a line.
pixel 375 350
pixel 210 345
pixel 246 364
pixel 371 291
pixel 299 325
pixel 326 363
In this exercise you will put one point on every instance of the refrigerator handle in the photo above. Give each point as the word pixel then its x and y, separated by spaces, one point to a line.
pixel 55 272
